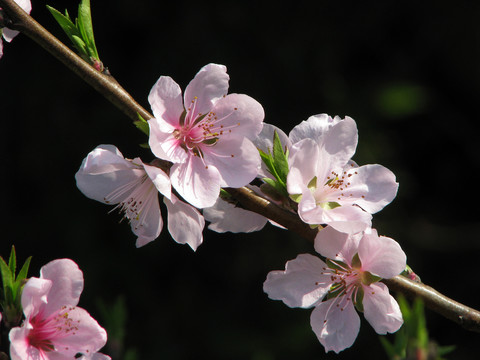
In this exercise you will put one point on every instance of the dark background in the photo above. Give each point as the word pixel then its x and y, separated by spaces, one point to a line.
pixel 407 72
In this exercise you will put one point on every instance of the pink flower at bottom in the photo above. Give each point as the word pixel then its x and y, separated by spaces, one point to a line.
pixel 349 279
pixel 54 327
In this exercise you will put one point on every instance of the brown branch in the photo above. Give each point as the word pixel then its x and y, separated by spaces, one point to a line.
pixel 107 86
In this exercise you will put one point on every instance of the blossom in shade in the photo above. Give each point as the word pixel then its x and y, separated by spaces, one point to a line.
pixel 329 187
pixel 206 134
pixel 133 186
pixel 54 327
pixel 9 34
pixel 348 279
pixel 225 216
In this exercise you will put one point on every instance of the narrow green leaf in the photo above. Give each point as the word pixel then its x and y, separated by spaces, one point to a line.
pixel 280 160
pixel 80 45
pixel 85 27
pixel 22 274
pixel 267 160
pixel 7 275
pixel 388 347
pixel 12 261
pixel 65 22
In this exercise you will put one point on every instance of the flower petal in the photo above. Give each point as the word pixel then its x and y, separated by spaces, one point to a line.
pixel 227 217
pixel 34 295
pixel 241 116
pixel 85 335
pixel 381 256
pixel 380 309
pixel 336 327
pixel 209 85
pixel 195 182
pixel 160 179
pixel 185 223
pixel 165 98
pixel 373 187
pixel 19 345
pixel 67 284
pixel 163 143
pixel 302 284
pixel 237 161
pixel 148 224
pixel 315 128
pixel 303 161
pixel 337 245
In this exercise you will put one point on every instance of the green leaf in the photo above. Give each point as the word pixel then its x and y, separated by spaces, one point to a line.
pixel 267 160
pixel 12 261
pixel 7 276
pixel 85 27
pixel 142 125
pixel 280 159
pixel 80 45
pixel 65 22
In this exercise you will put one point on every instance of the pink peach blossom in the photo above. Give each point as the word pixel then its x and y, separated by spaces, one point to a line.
pixel 349 278
pixel 330 188
pixel 206 135
pixel 54 327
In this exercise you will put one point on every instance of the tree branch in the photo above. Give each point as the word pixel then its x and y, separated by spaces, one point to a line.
pixel 107 86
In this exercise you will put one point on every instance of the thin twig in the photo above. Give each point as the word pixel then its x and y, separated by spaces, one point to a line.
pixel 107 86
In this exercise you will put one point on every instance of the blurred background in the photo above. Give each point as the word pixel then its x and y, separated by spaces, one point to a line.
pixel 408 72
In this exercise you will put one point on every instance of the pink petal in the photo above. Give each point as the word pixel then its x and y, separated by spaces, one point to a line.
pixel 165 98
pixel 196 183
pixel 337 245
pixel 227 217
pixel 9 34
pixel 162 142
pixel 302 284
pixel 159 178
pixel 87 337
pixel 336 327
pixel 380 309
pixel 303 161
pixel 373 187
pixel 315 128
pixel 185 223
pixel 148 224
pixel 348 218
pixel 237 161
pixel 241 114
pixel 209 85
pixel 341 141
pixel 34 295
pixel 19 346
pixel 381 256
pixel 67 284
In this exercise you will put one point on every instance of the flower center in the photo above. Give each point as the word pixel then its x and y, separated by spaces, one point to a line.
pixel 46 330
pixel 198 131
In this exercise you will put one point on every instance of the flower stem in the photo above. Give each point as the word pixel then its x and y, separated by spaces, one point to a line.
pixel 107 86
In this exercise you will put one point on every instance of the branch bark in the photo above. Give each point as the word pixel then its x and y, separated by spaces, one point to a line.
pixel 107 86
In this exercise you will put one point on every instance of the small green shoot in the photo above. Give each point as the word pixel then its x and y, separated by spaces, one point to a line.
pixel 80 33
pixel 276 161
pixel 12 286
